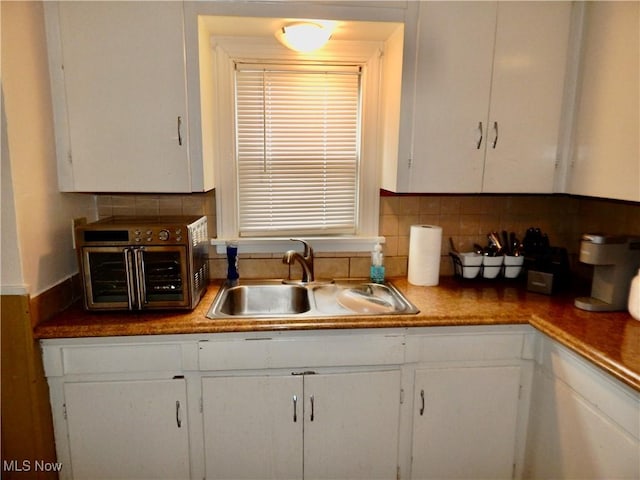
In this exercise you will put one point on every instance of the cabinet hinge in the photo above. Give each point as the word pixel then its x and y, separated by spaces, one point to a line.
pixel 409 162
pixel 401 396
pixel 64 410
pixel 513 471
pixel 520 393
pixel 201 405
pixel 398 472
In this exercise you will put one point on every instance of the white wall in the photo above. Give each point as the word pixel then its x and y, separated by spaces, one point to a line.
pixel 11 279
pixel 37 250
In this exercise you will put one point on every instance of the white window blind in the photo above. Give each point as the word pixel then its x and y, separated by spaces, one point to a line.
pixel 298 146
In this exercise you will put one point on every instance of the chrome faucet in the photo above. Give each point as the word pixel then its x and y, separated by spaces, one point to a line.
pixel 305 259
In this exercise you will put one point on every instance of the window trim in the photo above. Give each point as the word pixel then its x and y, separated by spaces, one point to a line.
pixel 225 52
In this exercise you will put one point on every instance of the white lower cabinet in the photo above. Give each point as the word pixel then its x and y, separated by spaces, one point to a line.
pixel 465 422
pixel 253 427
pixel 312 426
pixel 352 428
pixel 127 429
pixel 421 403
pixel 469 408
pixel 583 423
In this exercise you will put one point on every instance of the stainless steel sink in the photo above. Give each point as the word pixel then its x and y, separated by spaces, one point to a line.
pixel 357 297
pixel 273 298
pixel 263 300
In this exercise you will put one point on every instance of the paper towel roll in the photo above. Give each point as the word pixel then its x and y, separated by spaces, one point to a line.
pixel 424 254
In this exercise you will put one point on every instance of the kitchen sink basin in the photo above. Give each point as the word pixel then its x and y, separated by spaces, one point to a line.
pixel 351 297
pixel 274 298
pixel 264 299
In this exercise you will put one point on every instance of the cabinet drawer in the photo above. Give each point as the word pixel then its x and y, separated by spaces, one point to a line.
pixel 296 352
pixel 474 347
pixel 121 359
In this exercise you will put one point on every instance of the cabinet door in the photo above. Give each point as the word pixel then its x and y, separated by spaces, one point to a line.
pixel 124 80
pixel 606 153
pixel 351 425
pixel 133 430
pixel 465 422
pixel 253 427
pixel 582 423
pixel 453 83
pixel 527 92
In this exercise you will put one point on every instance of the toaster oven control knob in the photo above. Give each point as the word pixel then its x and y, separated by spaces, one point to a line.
pixel 163 235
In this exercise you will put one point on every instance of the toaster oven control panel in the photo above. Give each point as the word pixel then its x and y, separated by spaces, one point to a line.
pixel 131 231
pixel 136 236
pixel 161 235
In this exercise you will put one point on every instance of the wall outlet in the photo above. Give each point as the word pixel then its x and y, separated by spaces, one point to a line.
pixel 74 223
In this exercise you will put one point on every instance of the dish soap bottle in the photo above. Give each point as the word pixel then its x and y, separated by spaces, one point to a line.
pixel 634 297
pixel 232 264
pixel 377 265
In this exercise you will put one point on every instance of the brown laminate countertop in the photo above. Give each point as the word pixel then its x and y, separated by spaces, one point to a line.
pixel 611 340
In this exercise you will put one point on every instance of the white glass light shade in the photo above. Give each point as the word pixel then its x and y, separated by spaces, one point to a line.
pixel 303 37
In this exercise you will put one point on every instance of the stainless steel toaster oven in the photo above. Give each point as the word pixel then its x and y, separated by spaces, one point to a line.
pixel 140 263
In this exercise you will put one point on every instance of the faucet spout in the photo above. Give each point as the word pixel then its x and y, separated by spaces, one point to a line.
pixel 305 259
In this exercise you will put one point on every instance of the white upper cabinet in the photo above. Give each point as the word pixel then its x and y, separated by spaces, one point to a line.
pixel 453 78
pixel 527 94
pixel 605 160
pixel 488 98
pixel 119 96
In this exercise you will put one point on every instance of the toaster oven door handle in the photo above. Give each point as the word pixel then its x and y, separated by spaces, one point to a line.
pixel 131 277
pixel 141 284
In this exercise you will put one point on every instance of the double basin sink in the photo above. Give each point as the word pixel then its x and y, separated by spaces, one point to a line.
pixel 275 298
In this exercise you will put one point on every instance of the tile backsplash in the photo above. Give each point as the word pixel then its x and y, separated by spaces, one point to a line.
pixel 465 218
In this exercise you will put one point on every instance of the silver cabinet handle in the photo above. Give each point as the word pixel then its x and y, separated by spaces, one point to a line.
pixel 178 414
pixel 422 398
pixel 295 408
pixel 481 135
pixel 179 130
pixel 495 130
pixel 312 408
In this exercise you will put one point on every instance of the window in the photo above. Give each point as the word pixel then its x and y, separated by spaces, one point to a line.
pixel 296 145
pixel 297 149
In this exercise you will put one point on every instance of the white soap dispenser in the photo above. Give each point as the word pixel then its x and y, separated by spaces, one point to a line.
pixel 634 297
pixel 377 265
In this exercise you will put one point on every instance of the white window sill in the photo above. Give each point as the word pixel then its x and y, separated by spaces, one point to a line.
pixel 282 244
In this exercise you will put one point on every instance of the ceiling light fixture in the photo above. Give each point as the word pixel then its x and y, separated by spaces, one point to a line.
pixel 304 37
